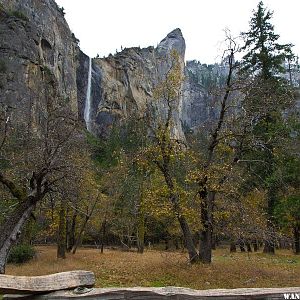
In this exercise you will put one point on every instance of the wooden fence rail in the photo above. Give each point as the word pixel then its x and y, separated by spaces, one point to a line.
pixel 41 284
pixel 168 293
pixel 61 286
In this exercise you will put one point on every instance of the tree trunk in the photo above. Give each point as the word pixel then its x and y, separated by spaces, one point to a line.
pixel 87 217
pixel 290 72
pixel 140 229
pixel 248 247
pixel 167 244
pixel 214 242
pixel 141 222
pixel 67 229
pixel 207 197
pixel 61 234
pixel 297 239
pixel 11 229
pixel 270 240
pixel 129 241
pixel 103 233
pixel 27 234
pixel 176 243
pixel 205 252
pixel 242 246
pixel 269 247
pixel 78 240
pixel 255 245
pixel 188 238
pixel 71 234
pixel 186 232
pixel 232 247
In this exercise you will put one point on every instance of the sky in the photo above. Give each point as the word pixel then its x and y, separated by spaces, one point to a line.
pixel 103 26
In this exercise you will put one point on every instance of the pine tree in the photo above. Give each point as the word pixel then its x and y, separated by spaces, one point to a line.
pixel 264 57
pixel 265 99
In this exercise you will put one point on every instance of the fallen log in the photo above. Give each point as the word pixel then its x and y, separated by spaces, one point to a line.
pixel 170 293
pixel 48 283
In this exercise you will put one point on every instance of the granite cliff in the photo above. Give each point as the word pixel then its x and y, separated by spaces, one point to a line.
pixel 36 41
pixel 122 84
pixel 200 88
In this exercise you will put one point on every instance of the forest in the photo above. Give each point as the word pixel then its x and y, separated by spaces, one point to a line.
pixel 224 194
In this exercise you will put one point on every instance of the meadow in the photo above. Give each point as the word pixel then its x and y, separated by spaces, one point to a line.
pixel 115 268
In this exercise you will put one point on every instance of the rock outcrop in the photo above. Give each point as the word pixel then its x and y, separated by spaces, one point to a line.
pixel 200 97
pixel 36 43
pixel 123 84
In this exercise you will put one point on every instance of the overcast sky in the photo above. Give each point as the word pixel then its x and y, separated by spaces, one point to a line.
pixel 103 26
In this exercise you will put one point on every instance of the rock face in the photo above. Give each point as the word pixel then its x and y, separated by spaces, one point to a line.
pixel 35 43
pixel 123 84
pixel 199 93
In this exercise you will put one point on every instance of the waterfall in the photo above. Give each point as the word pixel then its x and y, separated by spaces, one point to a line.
pixel 87 108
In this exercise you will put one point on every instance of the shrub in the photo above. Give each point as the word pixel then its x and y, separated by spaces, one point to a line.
pixel 21 253
pixel 62 10
pixel 18 14
pixel 47 71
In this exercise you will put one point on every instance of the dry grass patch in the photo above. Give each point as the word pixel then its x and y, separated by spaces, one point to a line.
pixel 160 268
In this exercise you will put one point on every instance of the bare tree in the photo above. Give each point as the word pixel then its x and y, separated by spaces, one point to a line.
pixel 207 195
pixel 36 158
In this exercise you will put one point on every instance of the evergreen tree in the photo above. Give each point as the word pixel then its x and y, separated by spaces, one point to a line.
pixel 264 57
pixel 265 99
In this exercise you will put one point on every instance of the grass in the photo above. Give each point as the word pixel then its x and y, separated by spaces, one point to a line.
pixel 160 268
